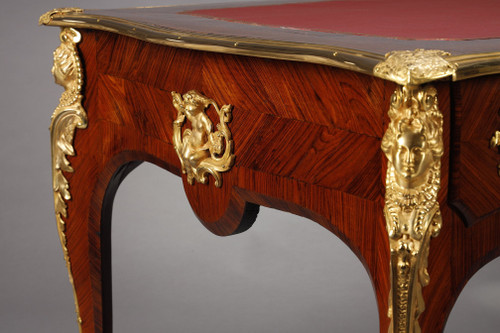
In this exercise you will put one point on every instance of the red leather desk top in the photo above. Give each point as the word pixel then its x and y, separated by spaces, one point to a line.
pixel 424 19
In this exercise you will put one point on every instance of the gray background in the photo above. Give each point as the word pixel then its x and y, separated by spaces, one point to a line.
pixel 286 274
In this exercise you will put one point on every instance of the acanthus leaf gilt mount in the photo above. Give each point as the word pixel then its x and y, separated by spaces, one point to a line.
pixel 202 151
pixel 67 116
pixel 413 144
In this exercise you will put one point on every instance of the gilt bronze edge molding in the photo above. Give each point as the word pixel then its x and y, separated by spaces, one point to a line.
pixel 467 66
pixel 351 59
pixel 67 116
pixel 46 18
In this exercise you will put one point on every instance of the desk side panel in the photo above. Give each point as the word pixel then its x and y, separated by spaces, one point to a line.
pixel 306 137
pixel 307 140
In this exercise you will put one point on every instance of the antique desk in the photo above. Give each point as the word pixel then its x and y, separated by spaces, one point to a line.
pixel 379 120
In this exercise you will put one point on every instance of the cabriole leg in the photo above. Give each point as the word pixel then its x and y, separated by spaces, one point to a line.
pixel 413 144
pixel 68 116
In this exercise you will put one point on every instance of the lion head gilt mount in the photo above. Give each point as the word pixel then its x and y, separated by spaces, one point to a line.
pixel 202 150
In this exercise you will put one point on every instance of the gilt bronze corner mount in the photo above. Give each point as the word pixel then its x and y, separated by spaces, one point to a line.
pixel 415 67
pixel 67 116
pixel 413 145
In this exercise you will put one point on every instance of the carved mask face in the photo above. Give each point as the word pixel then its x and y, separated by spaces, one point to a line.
pixel 192 104
pixel 192 109
pixel 56 72
pixel 63 69
pixel 411 158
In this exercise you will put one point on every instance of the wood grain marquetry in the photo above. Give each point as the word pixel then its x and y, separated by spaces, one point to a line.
pixel 474 190
pixel 307 141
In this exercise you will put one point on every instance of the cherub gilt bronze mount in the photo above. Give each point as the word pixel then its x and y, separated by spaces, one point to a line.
pixel 201 150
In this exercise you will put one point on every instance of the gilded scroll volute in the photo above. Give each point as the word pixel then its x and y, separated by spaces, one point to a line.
pixel 202 151
pixel 68 116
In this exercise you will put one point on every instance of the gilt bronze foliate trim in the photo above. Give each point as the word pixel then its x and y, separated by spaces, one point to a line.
pixel 413 144
pixel 68 116
pixel 201 150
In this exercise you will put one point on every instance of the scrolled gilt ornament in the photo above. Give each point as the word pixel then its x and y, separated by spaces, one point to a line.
pixel 413 145
pixel 415 67
pixel 68 116
pixel 202 151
